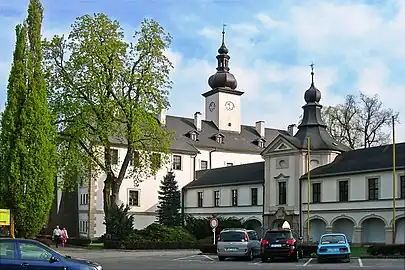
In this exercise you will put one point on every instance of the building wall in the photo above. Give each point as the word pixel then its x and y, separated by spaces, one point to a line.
pixel 363 220
pixel 145 213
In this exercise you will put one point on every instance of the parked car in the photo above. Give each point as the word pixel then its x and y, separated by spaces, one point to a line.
pixel 238 243
pixel 31 254
pixel 281 244
pixel 333 246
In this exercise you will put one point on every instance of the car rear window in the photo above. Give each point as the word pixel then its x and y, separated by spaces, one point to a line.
pixel 232 236
pixel 277 235
pixel 333 239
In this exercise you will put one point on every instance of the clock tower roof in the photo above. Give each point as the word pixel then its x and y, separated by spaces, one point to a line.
pixel 223 80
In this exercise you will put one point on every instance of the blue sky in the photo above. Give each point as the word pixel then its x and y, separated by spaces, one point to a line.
pixel 355 45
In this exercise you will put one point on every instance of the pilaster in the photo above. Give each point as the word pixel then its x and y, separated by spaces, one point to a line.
pixel 357 231
pixel 388 235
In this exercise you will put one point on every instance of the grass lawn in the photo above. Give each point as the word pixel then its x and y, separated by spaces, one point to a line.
pixel 359 251
pixel 96 245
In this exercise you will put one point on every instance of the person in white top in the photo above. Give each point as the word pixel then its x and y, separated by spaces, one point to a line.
pixel 56 235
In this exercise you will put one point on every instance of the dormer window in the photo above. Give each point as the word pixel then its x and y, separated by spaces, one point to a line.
pixel 193 135
pixel 260 142
pixel 219 138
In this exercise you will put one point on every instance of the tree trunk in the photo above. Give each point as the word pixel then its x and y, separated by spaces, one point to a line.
pixel 107 193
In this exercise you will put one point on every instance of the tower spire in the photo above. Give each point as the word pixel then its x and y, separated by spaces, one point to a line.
pixel 223 33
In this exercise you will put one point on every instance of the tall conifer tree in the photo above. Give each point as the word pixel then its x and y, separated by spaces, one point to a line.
pixel 169 201
pixel 28 151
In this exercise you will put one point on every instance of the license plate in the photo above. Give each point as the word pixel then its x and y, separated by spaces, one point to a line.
pixel 275 245
pixel 231 249
pixel 333 249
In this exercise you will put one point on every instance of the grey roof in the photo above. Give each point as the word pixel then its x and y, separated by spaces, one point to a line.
pixel 245 141
pixel 361 161
pixel 245 174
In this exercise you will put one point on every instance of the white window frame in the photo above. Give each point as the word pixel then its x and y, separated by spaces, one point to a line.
pixel 139 197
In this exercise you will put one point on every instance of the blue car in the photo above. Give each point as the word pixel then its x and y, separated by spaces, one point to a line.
pixel 30 254
pixel 333 246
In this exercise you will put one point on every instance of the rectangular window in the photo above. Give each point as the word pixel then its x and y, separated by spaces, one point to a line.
pixel 84 199
pixel 402 188
pixel 133 198
pixel 114 156
pixel 216 198
pixel 155 159
pixel 343 191
pixel 200 199
pixel 373 188
pixel 135 159
pixel 234 197
pixel 229 164
pixel 176 162
pixel 254 196
pixel 282 193
pixel 316 192
pixel 204 165
pixel 83 226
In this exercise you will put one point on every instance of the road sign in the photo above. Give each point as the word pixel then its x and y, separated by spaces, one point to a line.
pixel 213 223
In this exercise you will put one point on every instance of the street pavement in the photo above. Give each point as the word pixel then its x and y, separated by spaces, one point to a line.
pixel 191 259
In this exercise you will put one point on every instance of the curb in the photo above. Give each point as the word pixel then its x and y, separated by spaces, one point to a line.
pixel 357 257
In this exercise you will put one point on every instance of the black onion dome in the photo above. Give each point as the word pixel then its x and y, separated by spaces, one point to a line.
pixel 223 49
pixel 222 79
pixel 312 94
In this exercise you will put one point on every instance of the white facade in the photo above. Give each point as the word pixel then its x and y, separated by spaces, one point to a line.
pixel 361 218
pixel 248 204
pixel 147 190
pixel 284 165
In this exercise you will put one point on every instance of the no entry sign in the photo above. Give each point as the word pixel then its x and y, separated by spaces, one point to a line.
pixel 213 223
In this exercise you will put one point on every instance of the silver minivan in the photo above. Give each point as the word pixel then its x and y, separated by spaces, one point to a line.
pixel 237 242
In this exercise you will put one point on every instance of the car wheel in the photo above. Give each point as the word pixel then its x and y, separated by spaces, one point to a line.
pixel 320 260
pixel 348 260
pixel 301 254
pixel 264 259
pixel 221 258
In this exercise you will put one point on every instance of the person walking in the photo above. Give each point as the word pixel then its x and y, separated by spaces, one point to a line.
pixel 64 236
pixel 56 235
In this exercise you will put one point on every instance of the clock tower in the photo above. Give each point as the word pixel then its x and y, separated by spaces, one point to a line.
pixel 222 102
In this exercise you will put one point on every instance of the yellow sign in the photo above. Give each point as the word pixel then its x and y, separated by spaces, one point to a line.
pixel 4 217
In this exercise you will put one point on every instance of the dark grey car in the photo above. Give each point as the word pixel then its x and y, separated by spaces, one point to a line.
pixel 238 243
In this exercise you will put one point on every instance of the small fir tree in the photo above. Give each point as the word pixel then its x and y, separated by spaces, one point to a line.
pixel 169 201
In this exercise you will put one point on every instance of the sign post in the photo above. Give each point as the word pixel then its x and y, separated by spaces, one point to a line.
pixel 214 225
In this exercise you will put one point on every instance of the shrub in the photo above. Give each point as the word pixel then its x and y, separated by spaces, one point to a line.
pixel 133 245
pixel 386 250
pixel 78 241
pixel 119 223
pixel 160 233
pixel 199 227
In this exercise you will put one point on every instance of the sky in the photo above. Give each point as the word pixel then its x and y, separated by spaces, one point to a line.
pixel 355 45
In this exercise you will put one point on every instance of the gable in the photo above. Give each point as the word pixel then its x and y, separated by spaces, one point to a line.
pixel 279 144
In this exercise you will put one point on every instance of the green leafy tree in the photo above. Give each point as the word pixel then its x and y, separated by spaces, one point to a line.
pixel 28 151
pixel 106 91
pixel 169 201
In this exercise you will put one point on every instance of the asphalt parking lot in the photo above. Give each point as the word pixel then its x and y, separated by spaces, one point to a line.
pixel 171 260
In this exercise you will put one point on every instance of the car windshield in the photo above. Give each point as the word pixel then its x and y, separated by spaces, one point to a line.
pixel 277 235
pixel 232 236
pixel 333 239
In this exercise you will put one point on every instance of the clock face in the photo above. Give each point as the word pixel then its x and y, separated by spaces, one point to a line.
pixel 229 105
pixel 211 107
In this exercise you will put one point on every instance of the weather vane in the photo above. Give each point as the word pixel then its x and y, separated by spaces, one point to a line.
pixel 312 71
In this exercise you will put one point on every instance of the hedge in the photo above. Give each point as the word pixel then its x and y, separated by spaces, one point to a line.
pixel 386 249
pixel 133 245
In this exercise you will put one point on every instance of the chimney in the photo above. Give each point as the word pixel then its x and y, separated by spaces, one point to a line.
pixel 291 129
pixel 197 121
pixel 260 128
pixel 162 117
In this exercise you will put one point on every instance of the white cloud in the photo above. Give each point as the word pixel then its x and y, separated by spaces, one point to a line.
pixel 344 37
